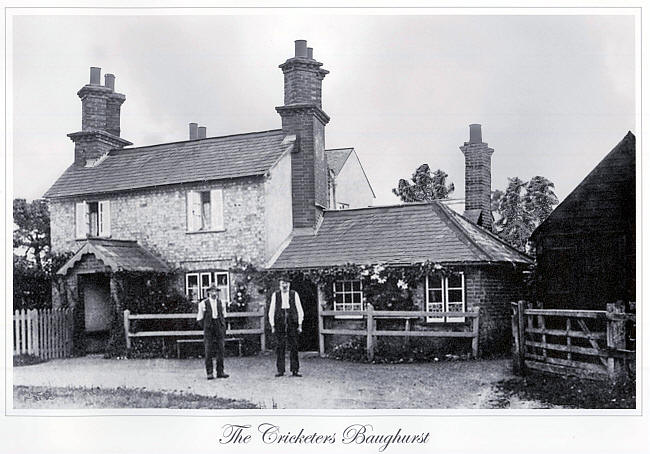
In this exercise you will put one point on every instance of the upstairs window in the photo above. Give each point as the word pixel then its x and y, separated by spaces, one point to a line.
pixel 342 206
pixel 205 211
pixel 445 294
pixel 93 219
pixel 197 284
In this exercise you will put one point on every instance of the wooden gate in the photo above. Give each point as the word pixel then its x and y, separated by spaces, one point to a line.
pixel 583 343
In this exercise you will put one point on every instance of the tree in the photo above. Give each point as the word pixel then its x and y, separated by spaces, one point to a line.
pixel 540 198
pixel 521 208
pixel 426 186
pixel 32 229
pixel 34 264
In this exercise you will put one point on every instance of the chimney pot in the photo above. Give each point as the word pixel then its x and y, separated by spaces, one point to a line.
pixel 301 48
pixel 475 134
pixel 194 131
pixel 310 53
pixel 202 132
pixel 109 81
pixel 95 75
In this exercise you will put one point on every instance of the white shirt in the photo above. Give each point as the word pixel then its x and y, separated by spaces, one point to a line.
pixel 213 306
pixel 285 305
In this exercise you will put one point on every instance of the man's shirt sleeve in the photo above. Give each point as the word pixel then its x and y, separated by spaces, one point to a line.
pixel 272 311
pixel 301 314
pixel 199 315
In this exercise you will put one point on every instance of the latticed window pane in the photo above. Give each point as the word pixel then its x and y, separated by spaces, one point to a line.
pixel 348 296
pixel 455 296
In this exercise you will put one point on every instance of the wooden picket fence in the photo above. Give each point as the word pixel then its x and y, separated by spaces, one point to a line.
pixel 45 333
pixel 584 343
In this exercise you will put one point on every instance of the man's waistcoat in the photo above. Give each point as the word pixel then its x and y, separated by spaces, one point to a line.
pixel 292 312
pixel 212 325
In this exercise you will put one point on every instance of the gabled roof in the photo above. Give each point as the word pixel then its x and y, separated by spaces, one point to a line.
pixel 336 158
pixel 213 158
pixel 396 235
pixel 615 172
pixel 119 255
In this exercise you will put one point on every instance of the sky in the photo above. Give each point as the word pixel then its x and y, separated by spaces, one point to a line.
pixel 554 93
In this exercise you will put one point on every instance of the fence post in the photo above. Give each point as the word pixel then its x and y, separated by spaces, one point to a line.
pixel 520 357
pixel 126 329
pixel 263 328
pixel 370 339
pixel 475 332
pixel 321 324
pixel 615 340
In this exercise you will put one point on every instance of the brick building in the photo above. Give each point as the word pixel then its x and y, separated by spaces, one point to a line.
pixel 272 198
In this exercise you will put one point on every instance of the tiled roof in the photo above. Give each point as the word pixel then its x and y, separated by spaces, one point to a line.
pixel 396 235
pixel 119 255
pixel 336 158
pixel 172 163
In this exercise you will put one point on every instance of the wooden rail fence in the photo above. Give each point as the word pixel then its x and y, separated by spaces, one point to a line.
pixel 45 333
pixel 583 343
pixel 370 332
pixel 129 334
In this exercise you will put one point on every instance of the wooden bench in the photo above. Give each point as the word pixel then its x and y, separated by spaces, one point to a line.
pixel 200 341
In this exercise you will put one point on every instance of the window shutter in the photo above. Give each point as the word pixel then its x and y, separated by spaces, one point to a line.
pixel 105 218
pixel 216 209
pixel 193 211
pixel 81 221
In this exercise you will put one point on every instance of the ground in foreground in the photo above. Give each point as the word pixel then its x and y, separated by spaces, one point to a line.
pixel 76 397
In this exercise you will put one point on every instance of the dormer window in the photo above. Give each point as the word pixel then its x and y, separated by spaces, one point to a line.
pixel 93 219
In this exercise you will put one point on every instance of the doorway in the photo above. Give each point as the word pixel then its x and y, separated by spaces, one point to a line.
pixel 96 299
pixel 308 339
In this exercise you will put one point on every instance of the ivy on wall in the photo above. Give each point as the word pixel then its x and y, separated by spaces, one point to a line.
pixel 386 287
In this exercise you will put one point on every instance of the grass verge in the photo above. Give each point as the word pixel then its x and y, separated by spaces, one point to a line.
pixel 77 397
pixel 27 360
pixel 569 391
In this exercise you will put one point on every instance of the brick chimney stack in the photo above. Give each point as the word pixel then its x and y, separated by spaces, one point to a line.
pixel 100 118
pixel 478 178
pixel 302 116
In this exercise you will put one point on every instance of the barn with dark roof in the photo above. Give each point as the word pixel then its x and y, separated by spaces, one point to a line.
pixel 586 248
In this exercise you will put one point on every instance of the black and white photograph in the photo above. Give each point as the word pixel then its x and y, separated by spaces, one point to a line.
pixel 251 214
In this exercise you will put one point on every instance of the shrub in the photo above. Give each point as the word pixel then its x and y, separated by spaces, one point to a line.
pixel 399 350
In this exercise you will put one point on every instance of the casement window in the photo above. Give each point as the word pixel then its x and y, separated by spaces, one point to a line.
pixel 93 219
pixel 205 211
pixel 445 294
pixel 348 296
pixel 197 284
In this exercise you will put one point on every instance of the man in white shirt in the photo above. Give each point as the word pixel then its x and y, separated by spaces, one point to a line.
pixel 211 316
pixel 285 317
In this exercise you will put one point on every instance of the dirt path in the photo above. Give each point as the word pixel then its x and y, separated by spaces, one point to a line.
pixel 326 383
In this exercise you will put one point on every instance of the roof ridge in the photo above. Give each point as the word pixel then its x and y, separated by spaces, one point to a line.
pixel 197 140
pixel 491 234
pixel 376 207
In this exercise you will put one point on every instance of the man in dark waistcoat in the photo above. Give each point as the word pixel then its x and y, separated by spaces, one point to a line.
pixel 212 318
pixel 285 318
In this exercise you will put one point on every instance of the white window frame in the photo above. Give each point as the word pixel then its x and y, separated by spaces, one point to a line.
pixel 196 222
pixel 82 216
pixel 350 294
pixel 445 299
pixel 342 206
pixel 212 276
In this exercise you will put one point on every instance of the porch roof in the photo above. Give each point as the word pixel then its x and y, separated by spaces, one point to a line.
pixel 119 255
pixel 397 235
